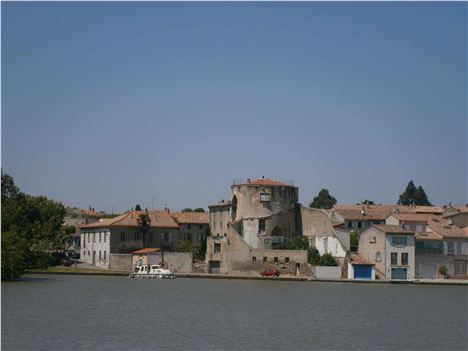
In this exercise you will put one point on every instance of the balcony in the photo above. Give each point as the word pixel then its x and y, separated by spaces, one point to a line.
pixel 428 251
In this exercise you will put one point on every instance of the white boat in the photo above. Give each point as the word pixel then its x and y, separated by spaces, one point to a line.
pixel 153 272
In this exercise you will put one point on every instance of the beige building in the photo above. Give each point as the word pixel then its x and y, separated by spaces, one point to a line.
pixel 360 217
pixel 122 234
pixel 439 243
pixel 391 249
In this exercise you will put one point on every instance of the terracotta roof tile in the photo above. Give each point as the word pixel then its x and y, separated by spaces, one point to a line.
pixel 158 219
pixel 146 251
pixel 395 229
pixel 266 182
pixel 359 260
pixel 444 229
pixel 191 217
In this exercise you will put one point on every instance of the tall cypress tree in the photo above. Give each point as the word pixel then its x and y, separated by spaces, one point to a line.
pixel 414 196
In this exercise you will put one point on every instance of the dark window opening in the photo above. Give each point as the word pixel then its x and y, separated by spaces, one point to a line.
pixel 286 259
pixel 264 259
pixel 217 247
pixel 261 225
pixel 275 259
pixel 254 259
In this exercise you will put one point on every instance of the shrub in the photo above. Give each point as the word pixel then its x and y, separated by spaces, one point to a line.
pixel 327 260
pixel 313 256
pixel 443 270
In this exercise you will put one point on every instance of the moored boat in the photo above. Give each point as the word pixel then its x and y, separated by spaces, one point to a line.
pixel 152 272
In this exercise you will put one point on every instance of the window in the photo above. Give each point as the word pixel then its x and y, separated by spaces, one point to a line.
pixel 84 242
pixel 100 236
pixel 359 224
pixel 137 235
pixel 151 237
pixel 105 234
pixel 286 259
pixel 189 226
pixel 264 259
pixel 275 259
pixel 254 259
pixel 378 256
pixel 94 237
pixel 84 252
pixel 350 224
pixel 122 236
pixel 404 259
pixel 99 254
pixel 200 226
pixel 189 236
pixel 264 197
pixel 450 248
pixel 261 225
pixel 372 239
pixel 399 240
pixel 89 237
pixel 166 237
pixel 88 253
pixel 217 247
pixel 394 258
pixel 104 255
pixel 220 224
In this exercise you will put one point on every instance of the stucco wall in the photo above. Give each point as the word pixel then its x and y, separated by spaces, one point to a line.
pixel 122 262
pixel 176 261
pixel 95 246
pixel 322 272
pixel 315 222
pixel 368 249
pixel 328 244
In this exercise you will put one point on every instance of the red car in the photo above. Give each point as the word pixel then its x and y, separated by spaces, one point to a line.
pixel 270 273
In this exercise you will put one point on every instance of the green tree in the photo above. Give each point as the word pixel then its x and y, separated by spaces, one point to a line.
pixel 199 209
pixel 69 229
pixel 299 242
pixel 35 222
pixel 421 197
pixel 367 202
pixel 200 252
pixel 137 207
pixel 354 240
pixel 327 260
pixel 144 223
pixel 413 196
pixel 313 256
pixel 187 210
pixel 14 253
pixel 323 200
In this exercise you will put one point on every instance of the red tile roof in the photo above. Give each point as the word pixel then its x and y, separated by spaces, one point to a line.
pixel 265 182
pixel 443 228
pixel 146 251
pixel 191 217
pixel 393 229
pixel 381 212
pixel 359 260
pixel 158 219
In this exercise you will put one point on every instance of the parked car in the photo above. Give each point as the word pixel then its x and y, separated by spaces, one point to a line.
pixel 271 272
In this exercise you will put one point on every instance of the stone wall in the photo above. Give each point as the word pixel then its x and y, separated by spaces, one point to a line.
pixel 175 261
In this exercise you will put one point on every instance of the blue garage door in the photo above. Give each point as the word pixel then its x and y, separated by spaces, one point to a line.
pixel 362 272
pixel 399 273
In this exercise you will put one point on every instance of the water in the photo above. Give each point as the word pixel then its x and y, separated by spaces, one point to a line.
pixel 113 313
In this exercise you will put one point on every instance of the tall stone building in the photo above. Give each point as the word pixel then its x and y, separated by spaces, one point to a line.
pixel 261 212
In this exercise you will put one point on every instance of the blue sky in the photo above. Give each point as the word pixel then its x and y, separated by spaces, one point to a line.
pixel 111 104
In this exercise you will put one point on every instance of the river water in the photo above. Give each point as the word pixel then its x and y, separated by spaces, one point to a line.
pixel 59 312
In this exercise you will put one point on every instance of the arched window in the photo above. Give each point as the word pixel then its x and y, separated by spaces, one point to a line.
pixel 234 208
pixel 276 231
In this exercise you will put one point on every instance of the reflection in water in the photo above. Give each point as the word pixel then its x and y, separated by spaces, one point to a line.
pixel 84 312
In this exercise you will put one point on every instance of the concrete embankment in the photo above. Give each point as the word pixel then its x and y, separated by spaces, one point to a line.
pixel 107 272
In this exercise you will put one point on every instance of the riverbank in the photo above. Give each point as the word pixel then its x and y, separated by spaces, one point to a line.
pixel 108 272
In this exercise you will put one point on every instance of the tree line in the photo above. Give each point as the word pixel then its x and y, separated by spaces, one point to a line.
pixel 32 231
pixel 411 196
